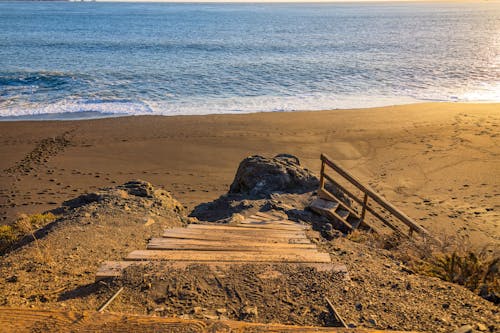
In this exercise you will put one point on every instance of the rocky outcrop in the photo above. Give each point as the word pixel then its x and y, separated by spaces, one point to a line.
pixel 135 194
pixel 262 183
pixel 259 176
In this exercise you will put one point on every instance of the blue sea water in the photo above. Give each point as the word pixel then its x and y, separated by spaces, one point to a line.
pixel 69 59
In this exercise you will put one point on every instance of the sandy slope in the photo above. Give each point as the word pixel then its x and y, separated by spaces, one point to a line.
pixel 438 162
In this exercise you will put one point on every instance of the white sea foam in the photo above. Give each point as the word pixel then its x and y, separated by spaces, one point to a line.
pixel 202 106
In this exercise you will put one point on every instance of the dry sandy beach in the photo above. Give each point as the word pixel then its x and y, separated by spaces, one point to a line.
pixel 438 162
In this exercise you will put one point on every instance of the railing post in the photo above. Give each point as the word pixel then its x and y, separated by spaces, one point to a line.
pixel 363 209
pixel 321 175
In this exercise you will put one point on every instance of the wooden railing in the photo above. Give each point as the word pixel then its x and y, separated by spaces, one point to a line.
pixel 368 194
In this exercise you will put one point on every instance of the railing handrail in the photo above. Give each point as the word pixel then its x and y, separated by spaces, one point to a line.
pixel 375 196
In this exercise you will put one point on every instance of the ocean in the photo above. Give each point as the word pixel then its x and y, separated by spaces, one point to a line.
pixel 70 60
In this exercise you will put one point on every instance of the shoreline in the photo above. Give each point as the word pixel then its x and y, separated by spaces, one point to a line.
pixel 437 162
pixel 93 115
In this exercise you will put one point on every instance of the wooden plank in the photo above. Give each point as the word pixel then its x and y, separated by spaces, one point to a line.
pixel 231 230
pixel 324 194
pixel 259 218
pixel 275 224
pixel 242 227
pixel 242 241
pixel 259 222
pixel 185 244
pixel 221 234
pixel 113 269
pixel 110 269
pixel 318 206
pixel 30 320
pixel 261 247
pixel 230 256
pixel 266 216
pixel 301 239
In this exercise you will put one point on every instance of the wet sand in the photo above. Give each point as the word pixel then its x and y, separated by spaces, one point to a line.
pixel 438 162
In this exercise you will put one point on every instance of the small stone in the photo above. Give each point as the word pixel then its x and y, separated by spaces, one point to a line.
pixel 481 327
pixel 149 221
pixel 210 317
pixel 12 279
pixel 446 305
pixel 249 312
pixel 221 311
pixel 197 310
pixel 359 306
pixel 464 329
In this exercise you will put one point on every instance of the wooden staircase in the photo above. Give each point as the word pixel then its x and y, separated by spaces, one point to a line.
pixel 376 215
pixel 260 239
pixel 344 217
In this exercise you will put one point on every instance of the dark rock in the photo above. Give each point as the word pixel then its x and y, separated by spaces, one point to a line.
pixel 12 279
pixel 83 200
pixel 259 176
pixel 139 188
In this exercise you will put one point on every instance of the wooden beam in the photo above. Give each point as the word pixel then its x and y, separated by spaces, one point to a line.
pixel 248 227
pixel 188 244
pixel 28 320
pixel 230 256
pixel 269 238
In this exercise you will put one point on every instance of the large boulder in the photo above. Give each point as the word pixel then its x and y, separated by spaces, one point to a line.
pixel 259 176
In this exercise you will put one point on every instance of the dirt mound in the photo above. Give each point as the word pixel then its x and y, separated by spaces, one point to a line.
pixel 266 293
pixel 259 176
pixel 57 264
pixel 133 195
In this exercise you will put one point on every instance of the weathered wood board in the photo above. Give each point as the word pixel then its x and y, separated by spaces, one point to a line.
pixel 37 320
pixel 305 255
pixel 259 239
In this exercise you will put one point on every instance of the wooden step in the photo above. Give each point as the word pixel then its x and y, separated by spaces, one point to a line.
pixel 16 320
pixel 297 239
pixel 280 221
pixel 328 209
pixel 232 230
pixel 113 269
pixel 231 256
pixel 189 244
pixel 266 216
pixel 247 227
pixel 221 233
pixel 277 226
pixel 329 197
pixel 256 247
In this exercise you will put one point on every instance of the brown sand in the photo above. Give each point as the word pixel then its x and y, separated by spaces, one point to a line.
pixel 437 162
